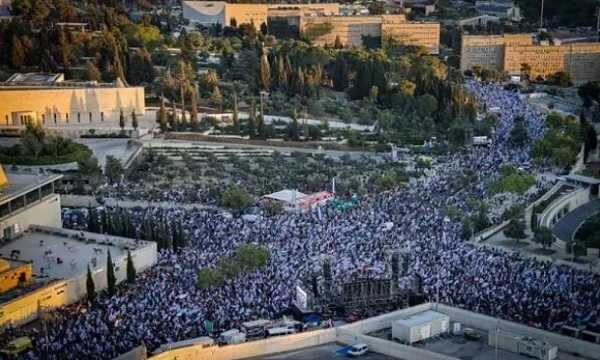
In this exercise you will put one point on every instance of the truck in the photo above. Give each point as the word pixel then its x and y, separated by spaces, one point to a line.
pixel 256 328
pixel 231 337
pixel 522 345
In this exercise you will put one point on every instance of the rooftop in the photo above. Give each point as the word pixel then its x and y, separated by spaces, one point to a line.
pixel 44 249
pixel 286 195
pixel 421 318
pixel 20 184
pixel 41 81
pixel 583 179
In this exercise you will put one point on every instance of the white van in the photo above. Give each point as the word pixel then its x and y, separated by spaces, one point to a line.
pixel 279 331
pixel 358 350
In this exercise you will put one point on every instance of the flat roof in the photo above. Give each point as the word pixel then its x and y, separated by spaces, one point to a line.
pixel 20 184
pixel 34 78
pixel 421 318
pixel 584 179
pixel 44 249
pixel 286 195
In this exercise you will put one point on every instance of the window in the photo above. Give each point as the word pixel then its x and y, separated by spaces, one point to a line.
pixel 17 204
pixel 55 118
pixel 101 116
pixel 79 117
pixel 43 119
pixel 67 117
pixel 90 114
pixel 6 119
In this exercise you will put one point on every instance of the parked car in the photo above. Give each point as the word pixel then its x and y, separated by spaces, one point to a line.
pixel 358 350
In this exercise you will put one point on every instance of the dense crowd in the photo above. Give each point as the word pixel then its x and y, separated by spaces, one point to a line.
pixel 165 305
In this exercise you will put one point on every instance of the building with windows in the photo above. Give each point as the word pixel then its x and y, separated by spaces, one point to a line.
pixel 322 23
pixel 508 52
pixel 50 100
pixel 502 9
pixel 44 265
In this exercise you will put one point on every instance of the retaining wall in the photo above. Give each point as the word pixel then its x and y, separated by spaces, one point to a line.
pixel 253 348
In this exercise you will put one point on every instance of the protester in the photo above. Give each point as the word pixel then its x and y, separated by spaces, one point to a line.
pixel 165 305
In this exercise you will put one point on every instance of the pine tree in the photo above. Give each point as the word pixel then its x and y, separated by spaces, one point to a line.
pixel 131 273
pixel 90 287
pixel 91 72
pixel 163 116
pixel 174 118
pixel 111 280
pixel 338 43
pixel 261 121
pixel 282 74
pixel 92 224
pixel 134 122
pixel 17 53
pixel 294 130
pixel 122 120
pixel 252 120
pixel 236 115
pixel 193 110
pixel 265 72
pixel 216 99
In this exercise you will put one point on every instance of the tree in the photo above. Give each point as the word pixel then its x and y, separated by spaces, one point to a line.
pixel 518 135
pixel 293 130
pixel 236 115
pixel 235 197
pixel 340 73
pixel 131 273
pixel 193 109
pixel 90 287
pixel 534 220
pixel 250 257
pixel 376 8
pixel 577 248
pixel 543 236
pixel 111 279
pixel 215 98
pixel 525 71
pixel 91 72
pixel 337 44
pixel 515 230
pixel 122 120
pixel 562 79
pixel 17 53
pixel 265 72
pixel 252 120
pixel 162 120
pixel 134 122
pixel 208 278
pixel 141 68
pixel 113 169
pixel 88 166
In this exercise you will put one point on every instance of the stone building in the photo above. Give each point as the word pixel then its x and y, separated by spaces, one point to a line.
pixel 47 99
pixel 508 53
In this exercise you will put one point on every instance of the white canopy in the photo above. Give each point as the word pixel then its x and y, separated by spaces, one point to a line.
pixel 286 195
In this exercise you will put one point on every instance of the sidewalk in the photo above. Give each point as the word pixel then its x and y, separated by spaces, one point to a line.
pixel 85 201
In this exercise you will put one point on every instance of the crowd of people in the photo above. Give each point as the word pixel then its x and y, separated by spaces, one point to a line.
pixel 165 305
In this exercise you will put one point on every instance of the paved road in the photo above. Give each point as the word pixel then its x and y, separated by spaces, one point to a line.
pixel 322 353
pixel 104 147
pixel 569 223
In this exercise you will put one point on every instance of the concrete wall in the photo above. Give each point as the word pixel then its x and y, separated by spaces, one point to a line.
pixel 252 349
pixel 64 292
pixel 389 348
pixel 559 207
pixel 45 212
pixel 103 104
pixel 483 322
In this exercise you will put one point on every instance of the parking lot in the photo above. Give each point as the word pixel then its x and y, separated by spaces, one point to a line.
pixel 322 353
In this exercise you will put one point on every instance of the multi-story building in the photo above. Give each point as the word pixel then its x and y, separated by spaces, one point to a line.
pixel 49 100
pixel 509 52
pixel 220 12
pixel 500 8
pixel 321 22
pixel 488 51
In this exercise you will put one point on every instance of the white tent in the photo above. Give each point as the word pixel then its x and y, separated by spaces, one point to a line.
pixel 286 195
